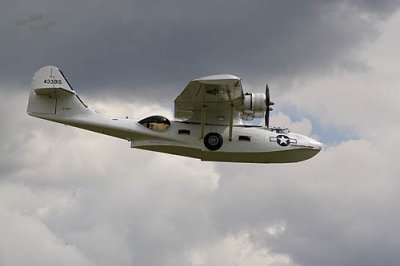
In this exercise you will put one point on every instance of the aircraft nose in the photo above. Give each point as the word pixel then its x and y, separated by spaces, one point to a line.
pixel 316 144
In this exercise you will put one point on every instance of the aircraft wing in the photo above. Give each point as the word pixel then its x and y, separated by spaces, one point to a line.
pixel 216 99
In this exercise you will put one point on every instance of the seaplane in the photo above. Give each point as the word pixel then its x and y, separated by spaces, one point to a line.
pixel 209 123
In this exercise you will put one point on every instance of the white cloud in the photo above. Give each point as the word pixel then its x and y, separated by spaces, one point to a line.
pixel 96 192
pixel 276 230
pixel 236 250
pixel 135 110
pixel 303 126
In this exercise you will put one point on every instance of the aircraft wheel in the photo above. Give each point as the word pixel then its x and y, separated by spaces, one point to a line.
pixel 213 141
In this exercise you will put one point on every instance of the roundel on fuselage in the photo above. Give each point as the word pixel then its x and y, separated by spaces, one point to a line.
pixel 283 140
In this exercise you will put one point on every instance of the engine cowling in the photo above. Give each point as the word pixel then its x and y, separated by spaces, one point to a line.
pixel 254 106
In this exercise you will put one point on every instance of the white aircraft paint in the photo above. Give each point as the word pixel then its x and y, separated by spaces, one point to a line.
pixel 52 98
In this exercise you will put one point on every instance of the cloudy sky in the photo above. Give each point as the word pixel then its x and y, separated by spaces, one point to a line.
pixel 70 197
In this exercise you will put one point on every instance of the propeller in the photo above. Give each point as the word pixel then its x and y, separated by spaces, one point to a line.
pixel 268 105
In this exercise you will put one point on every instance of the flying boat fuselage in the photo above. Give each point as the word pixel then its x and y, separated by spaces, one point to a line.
pixel 211 112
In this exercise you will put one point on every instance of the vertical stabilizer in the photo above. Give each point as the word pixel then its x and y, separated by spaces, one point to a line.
pixel 52 97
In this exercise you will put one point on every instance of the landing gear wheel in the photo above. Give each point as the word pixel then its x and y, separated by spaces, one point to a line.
pixel 213 141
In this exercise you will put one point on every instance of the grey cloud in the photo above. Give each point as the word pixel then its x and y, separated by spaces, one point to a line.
pixel 154 49
pixel 95 201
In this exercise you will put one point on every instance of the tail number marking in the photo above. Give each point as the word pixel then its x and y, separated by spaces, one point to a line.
pixel 52 81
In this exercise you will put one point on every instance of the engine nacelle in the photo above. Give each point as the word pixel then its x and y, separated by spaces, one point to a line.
pixel 254 106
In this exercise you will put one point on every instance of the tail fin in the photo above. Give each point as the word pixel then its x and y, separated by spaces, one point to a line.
pixel 51 96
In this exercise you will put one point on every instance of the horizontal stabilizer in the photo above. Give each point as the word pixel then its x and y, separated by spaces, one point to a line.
pixel 53 91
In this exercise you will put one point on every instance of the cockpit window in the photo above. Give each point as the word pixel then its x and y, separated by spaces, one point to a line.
pixel 156 123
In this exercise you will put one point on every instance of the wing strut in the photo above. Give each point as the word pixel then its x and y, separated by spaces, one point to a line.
pixel 231 124
pixel 203 112
pixel 203 120
pixel 231 117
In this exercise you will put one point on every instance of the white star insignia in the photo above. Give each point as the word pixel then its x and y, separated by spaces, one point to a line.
pixel 282 139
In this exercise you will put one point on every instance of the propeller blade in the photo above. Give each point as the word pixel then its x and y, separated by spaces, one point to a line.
pixel 267 99
pixel 267 104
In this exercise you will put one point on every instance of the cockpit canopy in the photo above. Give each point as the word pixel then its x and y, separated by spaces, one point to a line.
pixel 156 123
